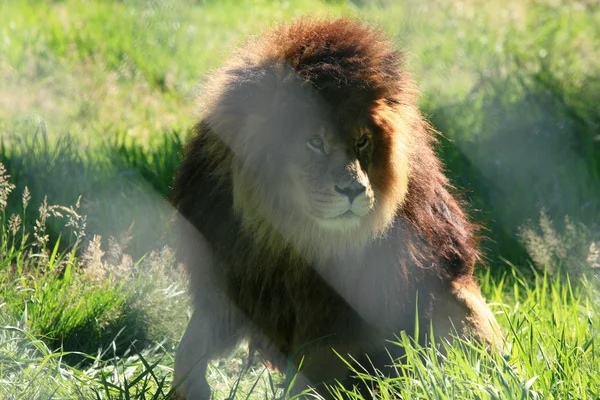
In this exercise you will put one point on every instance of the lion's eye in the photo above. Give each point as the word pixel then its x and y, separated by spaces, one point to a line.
pixel 363 142
pixel 316 144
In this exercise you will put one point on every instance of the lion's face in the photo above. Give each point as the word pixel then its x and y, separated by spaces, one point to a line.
pixel 324 174
pixel 329 177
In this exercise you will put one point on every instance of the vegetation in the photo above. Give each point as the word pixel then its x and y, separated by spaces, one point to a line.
pixel 96 102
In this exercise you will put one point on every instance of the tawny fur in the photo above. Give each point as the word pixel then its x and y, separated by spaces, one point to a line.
pixel 264 263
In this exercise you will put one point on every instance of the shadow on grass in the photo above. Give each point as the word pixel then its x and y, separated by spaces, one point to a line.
pixel 122 184
pixel 519 145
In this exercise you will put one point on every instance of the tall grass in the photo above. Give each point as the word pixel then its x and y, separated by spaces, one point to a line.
pixel 84 301
pixel 119 181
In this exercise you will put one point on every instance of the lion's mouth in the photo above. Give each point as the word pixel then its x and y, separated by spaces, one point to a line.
pixel 346 215
pixel 342 214
pixel 344 220
pixel 351 213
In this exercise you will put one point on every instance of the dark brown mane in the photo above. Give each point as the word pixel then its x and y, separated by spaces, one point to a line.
pixel 442 222
pixel 341 57
pixel 352 64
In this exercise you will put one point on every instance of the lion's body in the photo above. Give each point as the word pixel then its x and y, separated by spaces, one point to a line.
pixel 300 283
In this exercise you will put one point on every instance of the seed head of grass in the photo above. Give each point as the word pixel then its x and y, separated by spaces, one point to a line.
pixel 571 250
pixel 5 187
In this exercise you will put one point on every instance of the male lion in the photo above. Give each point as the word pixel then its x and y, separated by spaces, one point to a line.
pixel 318 216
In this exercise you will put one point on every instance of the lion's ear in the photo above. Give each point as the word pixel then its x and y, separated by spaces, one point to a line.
pixel 242 99
pixel 234 96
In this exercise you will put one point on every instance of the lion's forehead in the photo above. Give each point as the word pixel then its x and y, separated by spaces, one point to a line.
pixel 300 109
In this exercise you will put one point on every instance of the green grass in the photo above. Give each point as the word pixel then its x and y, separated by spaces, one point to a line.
pixel 96 102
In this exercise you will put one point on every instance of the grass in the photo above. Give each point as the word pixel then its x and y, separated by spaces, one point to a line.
pixel 96 102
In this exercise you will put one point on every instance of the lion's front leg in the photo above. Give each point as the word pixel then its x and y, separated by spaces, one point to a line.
pixel 191 360
pixel 207 336
pixel 317 365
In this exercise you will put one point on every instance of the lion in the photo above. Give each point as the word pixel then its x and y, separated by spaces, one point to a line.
pixel 316 215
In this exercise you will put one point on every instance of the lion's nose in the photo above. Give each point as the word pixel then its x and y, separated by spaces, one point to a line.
pixel 352 190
